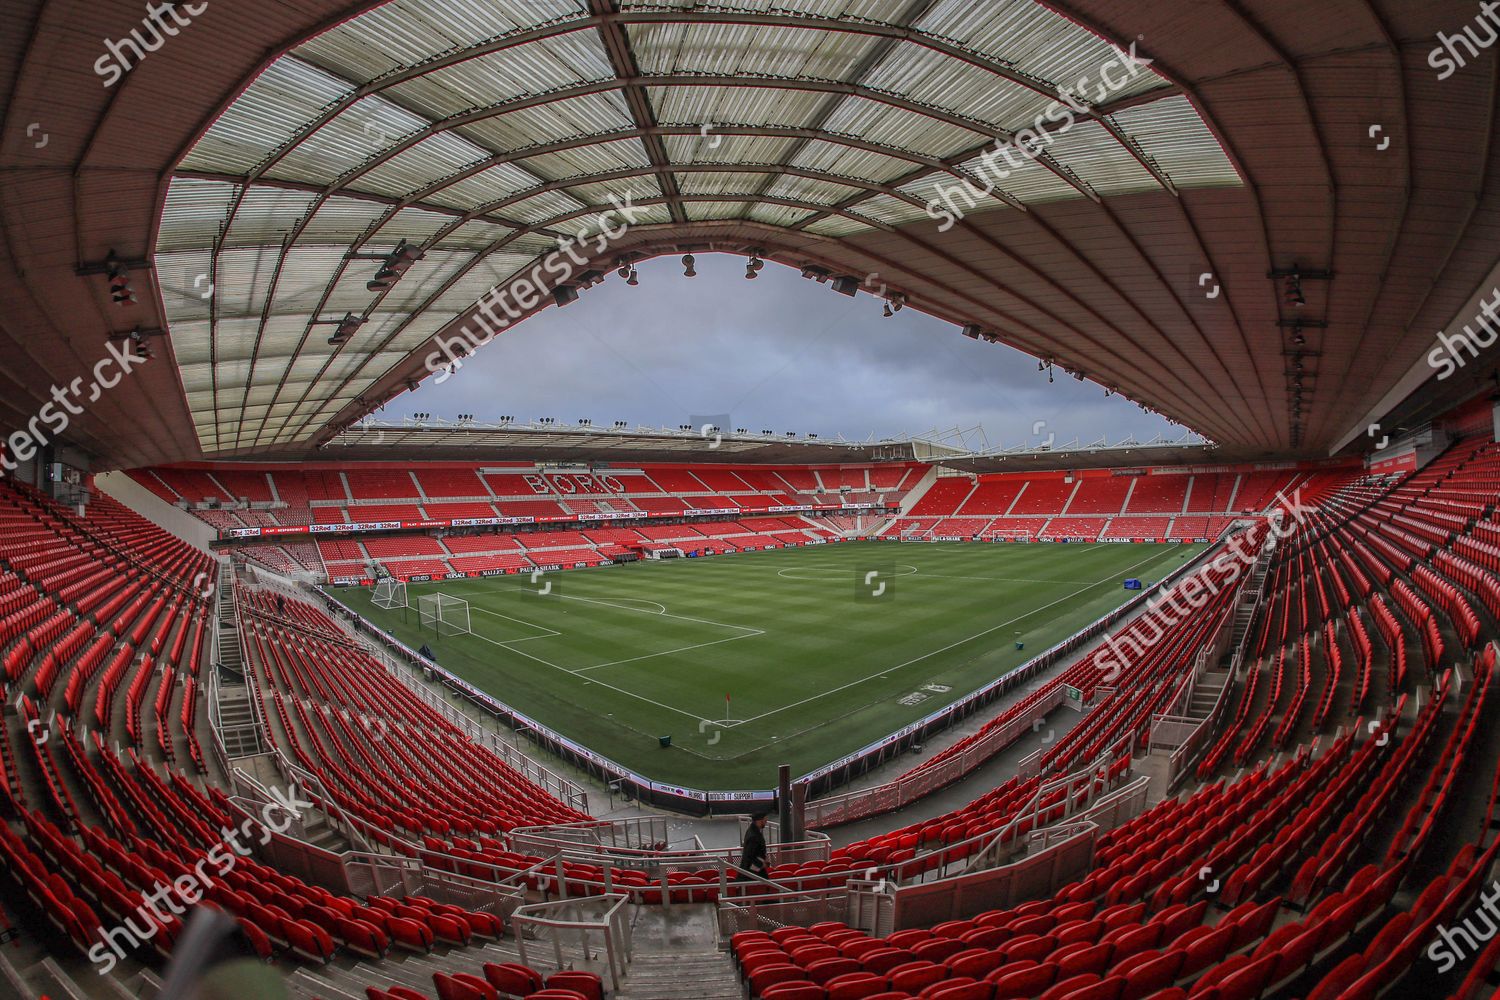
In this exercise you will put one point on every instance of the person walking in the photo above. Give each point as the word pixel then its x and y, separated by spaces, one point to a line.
pixel 753 852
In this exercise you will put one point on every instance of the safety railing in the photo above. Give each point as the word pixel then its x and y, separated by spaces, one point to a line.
pixel 599 925
pixel 513 756
pixel 1056 856
pixel 792 908
pixel 832 810
pixel 641 844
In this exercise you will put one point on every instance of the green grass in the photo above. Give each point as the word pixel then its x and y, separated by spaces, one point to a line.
pixel 814 665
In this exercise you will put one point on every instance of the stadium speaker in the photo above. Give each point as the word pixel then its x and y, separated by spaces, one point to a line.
pixel 563 294
pixel 664 741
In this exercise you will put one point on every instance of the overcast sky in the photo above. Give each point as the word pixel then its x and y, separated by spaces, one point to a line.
pixel 781 353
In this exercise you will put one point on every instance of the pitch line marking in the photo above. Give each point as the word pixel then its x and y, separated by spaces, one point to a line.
pixel 550 633
pixel 629 694
pixel 663 613
pixel 668 652
pixel 748 633
pixel 951 645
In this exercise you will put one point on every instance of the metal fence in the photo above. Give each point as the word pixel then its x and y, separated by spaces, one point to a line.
pixel 848 807
pixel 599 926
pixel 1058 855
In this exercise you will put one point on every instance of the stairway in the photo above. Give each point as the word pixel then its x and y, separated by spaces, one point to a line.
pixel 1206 693
pixel 681 975
pixel 237 717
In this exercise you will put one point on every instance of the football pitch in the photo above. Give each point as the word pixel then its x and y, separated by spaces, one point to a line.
pixel 753 659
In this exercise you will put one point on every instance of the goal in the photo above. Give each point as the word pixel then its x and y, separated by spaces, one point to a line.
pixel 447 615
pixel 1010 536
pixel 389 594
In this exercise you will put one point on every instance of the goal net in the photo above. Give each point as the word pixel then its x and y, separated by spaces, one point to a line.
pixel 389 594
pixel 446 615
pixel 1010 536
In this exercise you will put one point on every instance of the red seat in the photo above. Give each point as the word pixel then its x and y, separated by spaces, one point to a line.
pixel 914 976
pixel 462 986
pixel 794 991
pixel 770 975
pixel 959 991
pixel 855 986
pixel 587 984
pixel 883 961
pixel 827 969
pixel 1011 984
pixel 513 979
pixel 1069 986
pixel 1151 975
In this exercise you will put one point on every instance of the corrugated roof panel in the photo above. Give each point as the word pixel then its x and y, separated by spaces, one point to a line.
pixel 1172 132
pixel 599 194
pixel 274 108
pixel 283 335
pixel 1039 42
pixel 700 210
pixel 891 211
pixel 735 49
pixel 304 276
pixel 902 129
pixel 778 215
pixel 406 32
pixel 472 236
pixel 1102 162
pixel 192 213
pixel 190 346
pixel 186 284
pixel 739 105
pixel 815 191
pixel 266 214
pixel 419 166
pixel 1024 178
pixel 933 78
pixel 714 147
pixel 352 139
pixel 850 161
pixel 501 76
pixel 720 183
pixel 486 187
pixel 555 121
pixel 414 225
pixel 949 194
pixel 342 219
pixel 242 280
pixel 598 157
pixel 546 206
pixel 837 225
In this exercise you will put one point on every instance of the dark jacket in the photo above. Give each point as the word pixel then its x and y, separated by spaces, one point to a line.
pixel 753 857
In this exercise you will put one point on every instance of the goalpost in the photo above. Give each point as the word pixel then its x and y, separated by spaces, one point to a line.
pixel 389 594
pixel 1011 536
pixel 447 615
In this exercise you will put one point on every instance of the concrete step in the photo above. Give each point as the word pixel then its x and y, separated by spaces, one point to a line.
pixel 704 975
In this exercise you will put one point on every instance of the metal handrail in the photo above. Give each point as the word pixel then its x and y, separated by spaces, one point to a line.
pixel 613 924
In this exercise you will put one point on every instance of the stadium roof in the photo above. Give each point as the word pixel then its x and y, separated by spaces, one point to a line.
pixel 267 159
pixel 435 439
